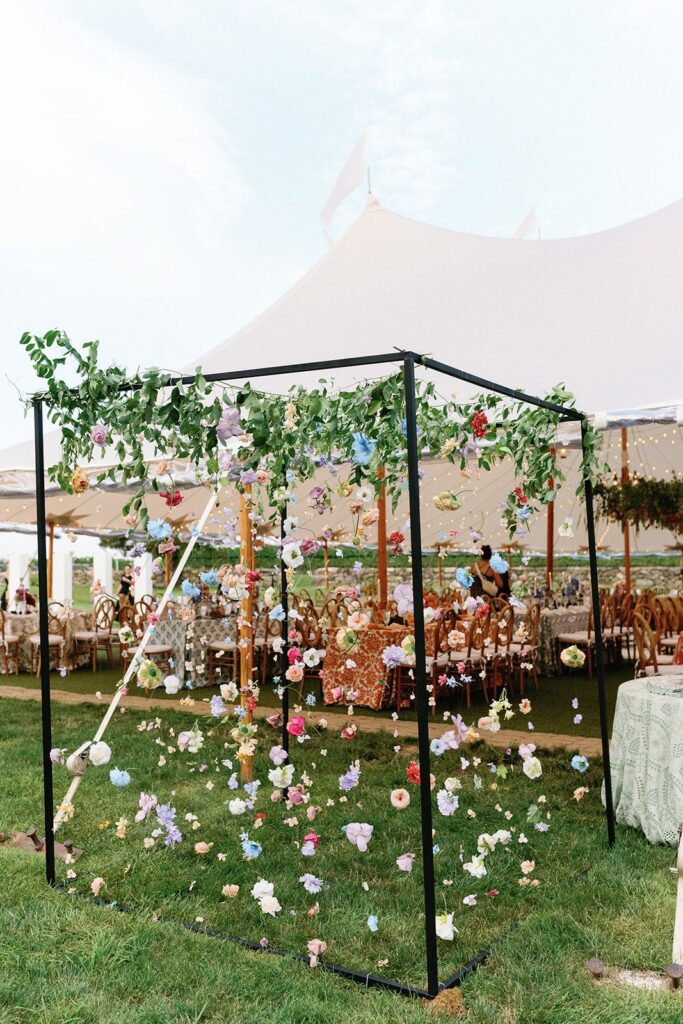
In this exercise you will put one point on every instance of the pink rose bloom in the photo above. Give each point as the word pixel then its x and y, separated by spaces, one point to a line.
pixel 96 886
pixel 295 672
pixel 98 434
pixel 296 726
pixel 312 837
pixel 274 720
pixel 526 750
pixel 295 794
pixel 201 847
pixel 261 476
pixel 337 692
pixel 484 722
pixel 153 619
pixel 294 654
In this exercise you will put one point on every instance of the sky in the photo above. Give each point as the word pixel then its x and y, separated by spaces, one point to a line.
pixel 164 163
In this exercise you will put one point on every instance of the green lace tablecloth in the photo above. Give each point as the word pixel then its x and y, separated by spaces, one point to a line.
pixel 647 757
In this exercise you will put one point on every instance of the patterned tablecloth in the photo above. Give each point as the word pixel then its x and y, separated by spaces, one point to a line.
pixel 369 677
pixel 24 626
pixel 190 642
pixel 553 622
pixel 647 757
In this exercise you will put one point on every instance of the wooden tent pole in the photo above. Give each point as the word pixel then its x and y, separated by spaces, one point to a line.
pixel 326 550
pixel 50 558
pixel 625 527
pixel 169 568
pixel 382 543
pixel 246 622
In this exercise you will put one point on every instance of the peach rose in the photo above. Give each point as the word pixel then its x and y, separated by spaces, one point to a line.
pixel 400 798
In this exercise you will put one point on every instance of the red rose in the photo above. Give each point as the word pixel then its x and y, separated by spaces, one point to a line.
pixel 171 499
pixel 479 422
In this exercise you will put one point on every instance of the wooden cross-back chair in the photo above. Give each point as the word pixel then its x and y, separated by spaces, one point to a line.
pixel 57 623
pixel 648 661
pixel 524 647
pixel 89 641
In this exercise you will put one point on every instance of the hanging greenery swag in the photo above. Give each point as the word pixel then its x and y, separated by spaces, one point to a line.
pixel 279 438
pixel 642 502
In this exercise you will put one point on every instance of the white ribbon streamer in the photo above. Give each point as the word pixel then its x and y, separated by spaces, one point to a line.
pixel 60 817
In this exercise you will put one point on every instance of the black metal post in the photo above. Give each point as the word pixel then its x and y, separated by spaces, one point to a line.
pixel 421 679
pixel 284 601
pixel 599 646
pixel 44 630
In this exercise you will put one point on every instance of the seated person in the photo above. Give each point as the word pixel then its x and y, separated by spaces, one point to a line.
pixel 487 583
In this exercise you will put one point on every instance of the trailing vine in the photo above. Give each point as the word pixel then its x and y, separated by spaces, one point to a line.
pixel 241 435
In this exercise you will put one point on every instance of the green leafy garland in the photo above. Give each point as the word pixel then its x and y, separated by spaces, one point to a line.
pixel 642 503
pixel 288 437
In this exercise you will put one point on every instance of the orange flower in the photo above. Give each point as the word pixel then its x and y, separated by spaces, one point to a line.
pixel 79 481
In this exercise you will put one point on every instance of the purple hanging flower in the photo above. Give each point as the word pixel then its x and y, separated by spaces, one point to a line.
pixel 229 424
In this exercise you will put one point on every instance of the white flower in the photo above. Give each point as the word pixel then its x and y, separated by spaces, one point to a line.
pixel 270 905
pixel 99 753
pixel 229 692
pixel 452 784
pixel 282 776
pixel 290 524
pixel 278 643
pixel 311 657
pixel 565 527
pixel 447 802
pixel 172 684
pixel 531 767
pixel 470 901
pixel 291 555
pixel 237 806
pixel 269 597
pixel 445 928
pixel 262 888
pixel 475 867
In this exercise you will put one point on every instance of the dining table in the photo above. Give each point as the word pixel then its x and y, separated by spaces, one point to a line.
pixel 23 627
pixel 362 672
pixel 646 754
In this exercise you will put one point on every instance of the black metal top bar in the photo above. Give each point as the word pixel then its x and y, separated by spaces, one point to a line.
pixel 337 364
pixel 264 371
pixel 521 396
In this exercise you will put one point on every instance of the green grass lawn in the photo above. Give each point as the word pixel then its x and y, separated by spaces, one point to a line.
pixel 551 703
pixel 64 959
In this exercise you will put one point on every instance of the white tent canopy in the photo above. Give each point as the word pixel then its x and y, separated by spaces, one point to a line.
pixel 603 312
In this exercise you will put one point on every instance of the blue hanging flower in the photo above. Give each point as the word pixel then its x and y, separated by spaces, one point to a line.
pixel 209 578
pixel 523 513
pixel 373 922
pixel 499 564
pixel 363 448
pixel 580 763
pixel 159 529
pixel 464 578
pixel 118 777
pixel 277 614
pixel 188 588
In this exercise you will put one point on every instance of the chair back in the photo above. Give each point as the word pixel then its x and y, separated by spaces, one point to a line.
pixel 105 610
pixel 56 618
pixel 503 627
pixel 478 633
pixel 646 643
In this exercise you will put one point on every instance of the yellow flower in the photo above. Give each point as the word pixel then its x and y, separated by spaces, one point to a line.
pixel 572 657
pixel 149 675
